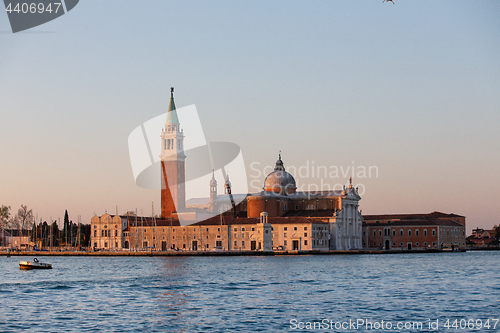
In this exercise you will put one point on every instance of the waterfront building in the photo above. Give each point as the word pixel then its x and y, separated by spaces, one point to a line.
pixel 277 218
pixel 108 231
pixel 414 231
pixel 481 237
pixel 16 238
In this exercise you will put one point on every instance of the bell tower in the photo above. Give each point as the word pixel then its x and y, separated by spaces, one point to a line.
pixel 173 193
pixel 213 194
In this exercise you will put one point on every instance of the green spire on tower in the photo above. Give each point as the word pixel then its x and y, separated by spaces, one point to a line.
pixel 172 113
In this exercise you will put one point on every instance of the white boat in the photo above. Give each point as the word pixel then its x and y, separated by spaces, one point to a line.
pixel 35 264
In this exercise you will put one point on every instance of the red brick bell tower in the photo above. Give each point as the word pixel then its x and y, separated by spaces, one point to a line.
pixel 173 193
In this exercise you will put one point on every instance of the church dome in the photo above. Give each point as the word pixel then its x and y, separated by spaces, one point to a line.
pixel 280 181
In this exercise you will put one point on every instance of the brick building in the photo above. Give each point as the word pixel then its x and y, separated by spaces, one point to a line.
pixel 414 231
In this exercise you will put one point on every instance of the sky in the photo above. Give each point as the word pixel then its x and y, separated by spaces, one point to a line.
pixel 411 89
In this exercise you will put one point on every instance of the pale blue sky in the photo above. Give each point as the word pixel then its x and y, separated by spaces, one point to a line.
pixel 412 88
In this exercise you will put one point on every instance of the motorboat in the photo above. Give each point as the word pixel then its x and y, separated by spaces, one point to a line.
pixel 35 264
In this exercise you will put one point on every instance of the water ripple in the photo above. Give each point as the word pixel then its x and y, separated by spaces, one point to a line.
pixel 241 294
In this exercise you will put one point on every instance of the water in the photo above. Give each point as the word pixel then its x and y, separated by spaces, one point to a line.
pixel 216 294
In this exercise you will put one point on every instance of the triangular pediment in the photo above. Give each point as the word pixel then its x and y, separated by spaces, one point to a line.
pixel 353 195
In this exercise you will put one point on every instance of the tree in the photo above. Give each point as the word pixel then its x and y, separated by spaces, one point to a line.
pixel 54 234
pixel 65 227
pixel 4 220
pixel 23 219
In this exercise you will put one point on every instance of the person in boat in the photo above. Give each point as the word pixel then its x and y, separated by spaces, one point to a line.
pixel 35 260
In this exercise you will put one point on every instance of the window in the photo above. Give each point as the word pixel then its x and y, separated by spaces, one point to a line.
pixel 116 244
pixel 433 244
pixel 95 233
pixel 102 233
pixel 183 246
pixel 416 232
pixel 380 232
pixel 374 233
pixel 235 235
pixel 394 233
pixel 284 234
pixel 242 235
pixel 95 244
pixel 409 232
pixel 243 243
pixel 305 242
pixel 425 232
pixel 401 233
pixel 235 229
pixel 235 243
pixel 253 229
pixel 173 237
pixel 218 229
pixel 296 207
pixel 145 244
pixel 425 244
pixel 305 228
pixel 242 229
pixel 106 244
pixel 295 228
pixel 433 232
pixel 305 234
pixel 284 242
pixel 207 229
pixel 416 244
pixel 284 228
pixel 401 244
pixel 267 231
pixel 116 234
pixel 364 234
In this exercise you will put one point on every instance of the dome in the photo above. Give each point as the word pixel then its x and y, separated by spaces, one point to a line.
pixel 280 181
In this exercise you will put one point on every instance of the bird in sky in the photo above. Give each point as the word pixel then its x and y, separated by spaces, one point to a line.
pixel 388 1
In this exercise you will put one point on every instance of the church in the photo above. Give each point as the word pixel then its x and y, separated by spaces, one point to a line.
pixel 279 218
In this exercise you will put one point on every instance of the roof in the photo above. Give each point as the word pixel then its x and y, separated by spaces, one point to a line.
pixel 413 221
pixel 172 113
pixel 149 221
pixel 410 216
pixel 17 232
pixel 226 220
pixel 311 213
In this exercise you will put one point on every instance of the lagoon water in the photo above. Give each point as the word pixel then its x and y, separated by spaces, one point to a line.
pixel 271 293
